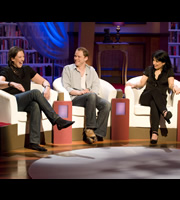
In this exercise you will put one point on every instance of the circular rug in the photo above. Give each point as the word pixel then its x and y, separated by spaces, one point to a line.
pixel 109 163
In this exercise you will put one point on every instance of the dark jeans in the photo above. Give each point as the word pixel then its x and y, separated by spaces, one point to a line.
pixel 33 102
pixel 90 101
pixel 157 102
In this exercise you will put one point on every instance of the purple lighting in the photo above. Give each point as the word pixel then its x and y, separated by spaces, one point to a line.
pixel 63 111
pixel 120 108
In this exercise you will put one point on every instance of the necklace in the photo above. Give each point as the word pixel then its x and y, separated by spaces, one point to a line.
pixel 18 71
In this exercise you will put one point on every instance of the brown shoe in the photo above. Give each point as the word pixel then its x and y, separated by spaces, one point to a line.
pixel 89 136
pixel 90 133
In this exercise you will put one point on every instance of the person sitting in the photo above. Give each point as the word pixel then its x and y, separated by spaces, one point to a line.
pixel 83 85
pixel 157 78
pixel 15 79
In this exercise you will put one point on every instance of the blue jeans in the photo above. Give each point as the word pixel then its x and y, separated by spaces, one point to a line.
pixel 90 101
pixel 34 102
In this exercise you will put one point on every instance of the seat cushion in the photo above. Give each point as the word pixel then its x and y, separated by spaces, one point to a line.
pixel 78 111
pixel 145 110
pixel 141 110
pixel 22 116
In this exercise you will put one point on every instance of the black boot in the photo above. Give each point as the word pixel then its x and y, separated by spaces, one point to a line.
pixel 62 123
pixel 36 147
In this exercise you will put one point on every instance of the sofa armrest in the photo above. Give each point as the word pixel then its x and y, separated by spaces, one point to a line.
pixel 8 107
pixel 53 96
pixel 57 85
pixel 119 94
pixel 61 96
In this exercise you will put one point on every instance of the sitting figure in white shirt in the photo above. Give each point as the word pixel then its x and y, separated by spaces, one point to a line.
pixel 82 83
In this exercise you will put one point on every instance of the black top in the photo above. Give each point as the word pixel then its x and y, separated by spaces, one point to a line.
pixel 161 83
pixel 25 80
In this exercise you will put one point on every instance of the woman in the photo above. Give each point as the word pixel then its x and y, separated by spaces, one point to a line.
pixel 157 78
pixel 15 79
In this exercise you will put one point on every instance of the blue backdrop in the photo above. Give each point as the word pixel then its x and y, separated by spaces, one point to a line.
pixel 50 39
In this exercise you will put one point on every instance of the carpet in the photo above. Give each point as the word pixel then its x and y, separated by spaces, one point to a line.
pixel 109 163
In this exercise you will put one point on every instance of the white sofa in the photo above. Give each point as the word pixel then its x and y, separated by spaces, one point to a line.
pixel 139 116
pixel 107 91
pixel 10 114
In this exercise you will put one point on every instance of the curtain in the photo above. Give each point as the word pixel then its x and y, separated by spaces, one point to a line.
pixel 50 39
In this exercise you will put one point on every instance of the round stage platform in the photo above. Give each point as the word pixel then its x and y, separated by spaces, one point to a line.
pixel 109 163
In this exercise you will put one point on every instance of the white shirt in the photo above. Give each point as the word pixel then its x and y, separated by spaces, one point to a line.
pixel 83 81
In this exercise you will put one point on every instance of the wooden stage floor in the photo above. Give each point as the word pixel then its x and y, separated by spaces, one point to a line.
pixel 15 164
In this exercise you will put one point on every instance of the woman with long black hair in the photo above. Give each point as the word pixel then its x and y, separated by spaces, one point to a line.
pixel 157 78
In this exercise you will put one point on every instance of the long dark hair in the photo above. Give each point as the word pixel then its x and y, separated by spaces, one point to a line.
pixel 13 51
pixel 162 56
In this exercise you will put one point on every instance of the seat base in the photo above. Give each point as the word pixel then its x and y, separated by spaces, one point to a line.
pixel 77 134
pixel 169 134
pixel 10 140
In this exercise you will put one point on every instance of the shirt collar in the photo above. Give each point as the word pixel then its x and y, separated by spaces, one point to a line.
pixel 87 67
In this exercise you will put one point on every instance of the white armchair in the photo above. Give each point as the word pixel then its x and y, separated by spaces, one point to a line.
pixel 139 115
pixel 107 91
pixel 10 114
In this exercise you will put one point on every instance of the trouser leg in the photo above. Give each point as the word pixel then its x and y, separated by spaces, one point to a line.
pixel 88 101
pixel 91 101
pixel 33 102
pixel 104 108
pixel 24 100
pixel 35 122
pixel 155 117
pixel 157 104
pixel 154 95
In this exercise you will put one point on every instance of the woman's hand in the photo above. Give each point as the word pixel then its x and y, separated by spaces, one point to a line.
pixel 17 86
pixel 176 89
pixel 47 93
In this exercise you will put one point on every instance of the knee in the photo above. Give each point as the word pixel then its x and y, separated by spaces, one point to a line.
pixel 108 106
pixel 92 97
pixel 35 106
pixel 36 92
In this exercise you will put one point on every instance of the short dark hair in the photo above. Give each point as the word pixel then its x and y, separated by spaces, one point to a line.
pixel 84 50
pixel 13 51
pixel 162 56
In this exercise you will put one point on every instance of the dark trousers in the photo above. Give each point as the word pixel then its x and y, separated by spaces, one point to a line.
pixel 33 102
pixel 90 101
pixel 157 102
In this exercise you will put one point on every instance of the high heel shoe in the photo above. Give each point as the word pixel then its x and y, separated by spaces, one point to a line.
pixel 152 141
pixel 62 123
pixel 168 116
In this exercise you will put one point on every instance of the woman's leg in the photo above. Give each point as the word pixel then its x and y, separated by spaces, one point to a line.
pixel 34 102
pixel 35 121
pixel 148 99
pixel 25 99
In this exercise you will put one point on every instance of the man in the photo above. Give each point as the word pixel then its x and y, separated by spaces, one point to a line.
pixel 82 83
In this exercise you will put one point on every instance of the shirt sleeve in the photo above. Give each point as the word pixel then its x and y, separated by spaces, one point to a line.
pixel 147 72
pixel 171 73
pixel 32 72
pixel 4 72
pixel 66 80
